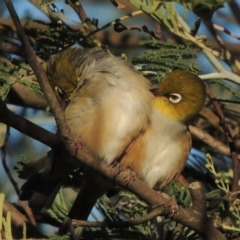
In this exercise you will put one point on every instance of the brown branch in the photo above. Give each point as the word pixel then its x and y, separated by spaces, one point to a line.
pixel 196 216
pixel 230 141
pixel 158 30
pixel 235 9
pixel 10 48
pixel 22 95
pixel 117 4
pixel 28 211
pixel 4 161
pixel 125 17
pixel 154 213
pixel 19 220
pixel 225 54
pixel 211 118
pixel 26 127
pixel 78 8
pixel 38 70
pixel 119 27
pixel 217 146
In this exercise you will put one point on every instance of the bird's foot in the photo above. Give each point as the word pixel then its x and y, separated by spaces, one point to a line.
pixel 129 176
pixel 67 226
pixel 77 146
pixel 117 167
pixel 173 207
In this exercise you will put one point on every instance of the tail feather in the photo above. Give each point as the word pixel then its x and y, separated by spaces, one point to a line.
pixel 45 177
pixel 94 185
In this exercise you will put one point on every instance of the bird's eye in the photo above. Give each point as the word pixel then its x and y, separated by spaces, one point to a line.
pixel 175 98
pixel 58 90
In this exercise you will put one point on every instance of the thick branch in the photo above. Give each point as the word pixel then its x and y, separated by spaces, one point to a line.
pixel 26 127
pixel 38 70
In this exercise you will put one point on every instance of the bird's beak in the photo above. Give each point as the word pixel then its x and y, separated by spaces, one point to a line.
pixel 156 92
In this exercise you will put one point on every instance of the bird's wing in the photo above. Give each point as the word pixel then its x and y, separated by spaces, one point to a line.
pixel 109 110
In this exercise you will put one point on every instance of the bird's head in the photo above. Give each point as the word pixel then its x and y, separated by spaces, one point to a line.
pixel 180 96
pixel 61 73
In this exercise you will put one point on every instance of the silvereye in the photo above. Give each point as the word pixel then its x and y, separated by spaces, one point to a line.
pixel 113 110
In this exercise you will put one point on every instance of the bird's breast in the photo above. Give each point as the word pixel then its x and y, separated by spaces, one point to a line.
pixel 159 154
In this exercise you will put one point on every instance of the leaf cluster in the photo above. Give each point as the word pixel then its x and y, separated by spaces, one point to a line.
pixel 162 57
pixel 56 38
pixel 17 71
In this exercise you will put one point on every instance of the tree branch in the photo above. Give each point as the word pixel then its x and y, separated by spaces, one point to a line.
pixel 230 141
pixel 38 70
pixel 26 127
pixel 19 220
pixel 154 213
pixel 210 141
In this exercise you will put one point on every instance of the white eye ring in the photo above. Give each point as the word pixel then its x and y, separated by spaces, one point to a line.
pixel 175 98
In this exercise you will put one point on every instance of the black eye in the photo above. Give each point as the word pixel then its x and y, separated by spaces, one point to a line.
pixel 175 97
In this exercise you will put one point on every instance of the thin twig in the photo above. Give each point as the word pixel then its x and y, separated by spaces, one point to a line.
pixel 26 127
pixel 223 74
pixel 28 211
pixel 225 54
pixel 119 27
pixel 4 161
pixel 210 141
pixel 123 18
pixel 117 4
pixel 154 213
pixel 186 35
pixel 230 141
pixel 19 220
pixel 225 30
pixel 11 48
pixel 78 8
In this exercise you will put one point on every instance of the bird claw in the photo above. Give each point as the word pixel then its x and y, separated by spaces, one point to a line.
pixel 117 167
pixel 129 176
pixel 171 205
pixel 67 226
pixel 77 146
pixel 173 208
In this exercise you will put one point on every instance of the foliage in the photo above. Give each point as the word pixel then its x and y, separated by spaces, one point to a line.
pixel 17 71
pixel 164 57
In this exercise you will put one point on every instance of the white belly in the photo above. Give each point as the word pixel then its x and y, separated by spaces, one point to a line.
pixel 163 150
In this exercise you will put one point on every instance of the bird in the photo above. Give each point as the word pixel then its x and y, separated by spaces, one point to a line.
pixel 121 118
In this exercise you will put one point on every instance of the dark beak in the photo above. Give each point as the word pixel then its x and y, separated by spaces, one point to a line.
pixel 156 92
